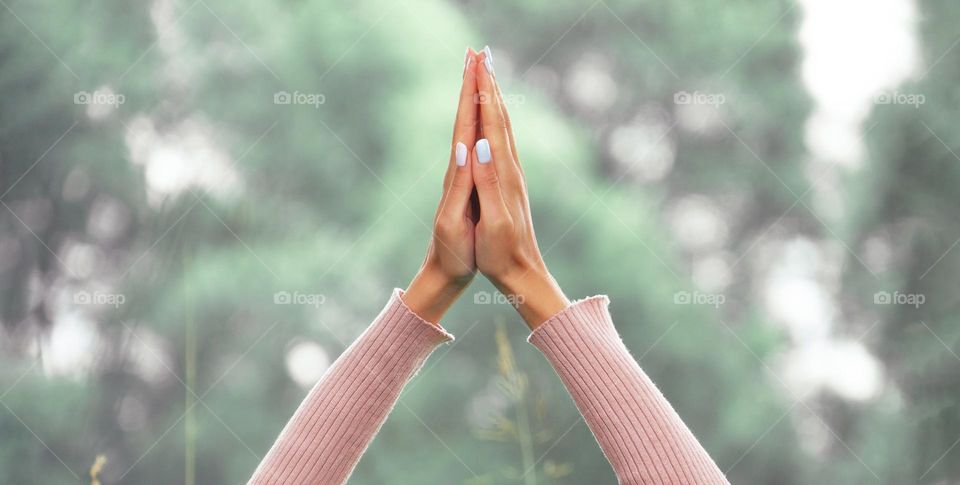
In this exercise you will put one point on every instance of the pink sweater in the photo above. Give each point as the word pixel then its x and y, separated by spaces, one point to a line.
pixel 644 439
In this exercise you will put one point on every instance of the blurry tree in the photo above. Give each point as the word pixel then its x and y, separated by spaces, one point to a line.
pixel 200 199
pixel 906 204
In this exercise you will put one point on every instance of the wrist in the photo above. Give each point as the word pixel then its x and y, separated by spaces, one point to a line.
pixel 537 294
pixel 431 293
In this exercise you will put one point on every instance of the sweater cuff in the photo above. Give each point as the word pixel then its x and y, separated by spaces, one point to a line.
pixel 587 314
pixel 432 334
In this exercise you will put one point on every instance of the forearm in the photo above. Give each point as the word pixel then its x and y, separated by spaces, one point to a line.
pixel 639 432
pixel 330 430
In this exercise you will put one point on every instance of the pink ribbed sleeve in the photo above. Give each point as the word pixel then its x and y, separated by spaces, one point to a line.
pixel 639 432
pixel 324 439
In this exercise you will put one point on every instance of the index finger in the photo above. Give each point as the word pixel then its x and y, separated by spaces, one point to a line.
pixel 494 122
pixel 465 123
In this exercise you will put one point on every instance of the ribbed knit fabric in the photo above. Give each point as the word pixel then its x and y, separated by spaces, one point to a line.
pixel 334 424
pixel 639 432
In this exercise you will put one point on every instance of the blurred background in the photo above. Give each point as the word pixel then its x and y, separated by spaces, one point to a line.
pixel 205 201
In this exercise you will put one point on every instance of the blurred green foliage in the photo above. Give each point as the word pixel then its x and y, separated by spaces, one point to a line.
pixel 186 381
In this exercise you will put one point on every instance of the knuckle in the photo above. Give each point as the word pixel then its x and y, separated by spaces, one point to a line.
pixel 481 97
pixel 516 185
pixel 445 227
pixel 459 184
pixel 466 125
pixel 488 178
pixel 501 225
pixel 494 122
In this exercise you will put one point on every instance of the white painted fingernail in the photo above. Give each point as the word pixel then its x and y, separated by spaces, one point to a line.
pixel 461 154
pixel 483 151
pixel 467 60
pixel 488 59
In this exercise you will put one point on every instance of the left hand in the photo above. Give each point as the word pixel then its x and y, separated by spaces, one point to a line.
pixel 450 264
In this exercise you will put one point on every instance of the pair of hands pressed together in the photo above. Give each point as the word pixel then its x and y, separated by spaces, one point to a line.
pixel 483 221
pixel 483 224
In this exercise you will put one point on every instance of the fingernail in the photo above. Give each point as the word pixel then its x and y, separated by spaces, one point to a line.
pixel 467 59
pixel 483 151
pixel 488 59
pixel 461 154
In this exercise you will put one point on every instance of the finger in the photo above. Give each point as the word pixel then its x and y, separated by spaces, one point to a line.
pixel 506 114
pixel 487 181
pixel 478 58
pixel 509 127
pixel 493 122
pixel 456 197
pixel 465 124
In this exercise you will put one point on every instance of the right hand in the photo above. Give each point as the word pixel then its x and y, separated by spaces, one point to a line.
pixel 506 247
pixel 449 265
